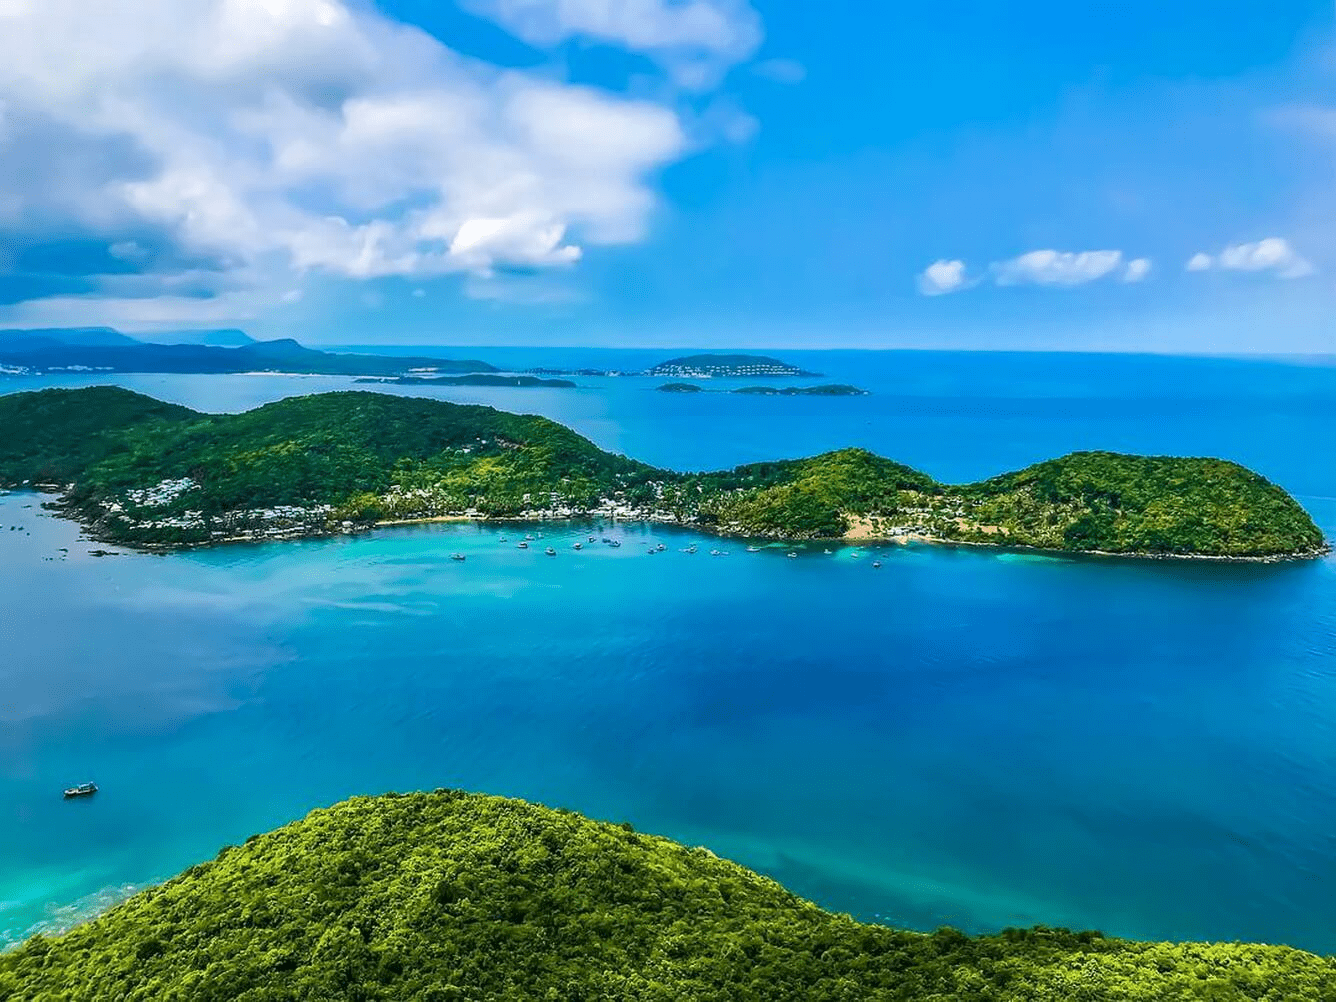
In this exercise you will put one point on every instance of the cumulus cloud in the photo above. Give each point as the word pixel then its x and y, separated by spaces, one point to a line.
pixel 1274 255
pixel 1039 267
pixel 1052 267
pixel 1137 270
pixel 942 277
pixel 696 39
pixel 259 135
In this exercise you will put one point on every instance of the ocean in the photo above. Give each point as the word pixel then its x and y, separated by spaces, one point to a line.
pixel 962 737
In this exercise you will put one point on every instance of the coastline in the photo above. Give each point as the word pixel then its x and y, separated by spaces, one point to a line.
pixel 849 539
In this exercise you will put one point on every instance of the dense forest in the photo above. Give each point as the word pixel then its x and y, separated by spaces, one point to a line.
pixel 139 471
pixel 454 896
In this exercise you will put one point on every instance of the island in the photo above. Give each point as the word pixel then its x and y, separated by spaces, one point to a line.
pixel 140 472
pixel 102 349
pixel 473 379
pixel 681 388
pixel 826 390
pixel 459 896
pixel 713 366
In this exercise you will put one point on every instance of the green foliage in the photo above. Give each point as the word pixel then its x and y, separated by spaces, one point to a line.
pixel 361 457
pixel 459 896
pixel 1145 504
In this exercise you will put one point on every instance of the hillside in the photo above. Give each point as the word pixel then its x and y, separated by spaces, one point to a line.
pixel 454 896
pixel 142 472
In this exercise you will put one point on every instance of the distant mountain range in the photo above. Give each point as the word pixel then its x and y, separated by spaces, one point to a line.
pixel 102 349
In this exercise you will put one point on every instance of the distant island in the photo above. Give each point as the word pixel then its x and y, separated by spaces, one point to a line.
pixel 827 390
pixel 102 349
pixel 138 471
pixel 681 388
pixel 710 366
pixel 458 896
pixel 473 379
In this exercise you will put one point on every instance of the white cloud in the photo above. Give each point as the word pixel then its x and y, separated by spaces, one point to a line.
pixel 259 135
pixel 786 71
pixel 291 296
pixel 1274 254
pixel 1039 267
pixel 1137 270
pixel 419 293
pixel 942 277
pixel 1051 267
pixel 696 39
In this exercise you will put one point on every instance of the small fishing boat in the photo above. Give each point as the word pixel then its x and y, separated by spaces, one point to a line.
pixel 550 552
pixel 591 539
pixel 793 556
pixel 661 547
pixel 528 535
pixel 827 551
pixel 614 542
pixel 578 546
pixel 458 556
pixel 753 549
pixel 716 553
pixel 876 563
pixel 503 539
pixel 82 790
pixel 522 545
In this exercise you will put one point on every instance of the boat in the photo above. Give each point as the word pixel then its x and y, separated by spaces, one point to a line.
pixel 550 552
pixel 458 556
pixel 522 545
pixel 528 535
pixel 827 551
pixel 876 563
pixel 793 556
pixel 503 539
pixel 579 546
pixel 614 542
pixel 661 547
pixel 753 549
pixel 716 553
pixel 82 790
pixel 591 539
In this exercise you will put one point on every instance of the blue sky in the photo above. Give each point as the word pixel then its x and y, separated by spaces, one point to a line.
pixel 1139 176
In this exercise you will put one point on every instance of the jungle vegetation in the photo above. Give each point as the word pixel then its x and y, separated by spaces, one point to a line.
pixel 453 896
pixel 138 471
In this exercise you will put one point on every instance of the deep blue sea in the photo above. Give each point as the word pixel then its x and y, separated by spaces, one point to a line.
pixel 963 737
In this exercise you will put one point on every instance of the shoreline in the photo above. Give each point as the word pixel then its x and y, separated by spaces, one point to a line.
pixel 851 538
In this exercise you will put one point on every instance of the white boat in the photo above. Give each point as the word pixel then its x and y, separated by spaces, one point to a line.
pixel 753 549
pixel 550 552
pixel 578 546
pixel 793 556
pixel 522 545
pixel 457 556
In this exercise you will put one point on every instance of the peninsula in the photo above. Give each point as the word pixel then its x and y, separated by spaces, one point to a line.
pixel 100 349
pixel 450 895
pixel 137 471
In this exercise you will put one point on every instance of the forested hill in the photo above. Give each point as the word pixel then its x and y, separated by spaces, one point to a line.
pixel 453 896
pixel 139 471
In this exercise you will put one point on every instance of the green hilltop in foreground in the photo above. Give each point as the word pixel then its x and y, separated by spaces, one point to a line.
pixel 138 471
pixel 454 896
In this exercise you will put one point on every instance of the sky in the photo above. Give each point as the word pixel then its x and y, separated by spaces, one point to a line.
pixel 1137 176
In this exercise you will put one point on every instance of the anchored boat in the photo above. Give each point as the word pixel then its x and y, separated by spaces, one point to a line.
pixel 82 790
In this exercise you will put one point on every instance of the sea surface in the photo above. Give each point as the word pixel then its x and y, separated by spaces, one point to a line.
pixel 962 736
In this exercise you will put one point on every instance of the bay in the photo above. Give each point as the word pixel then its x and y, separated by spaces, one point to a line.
pixel 961 737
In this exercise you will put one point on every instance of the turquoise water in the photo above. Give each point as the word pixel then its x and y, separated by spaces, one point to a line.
pixel 962 736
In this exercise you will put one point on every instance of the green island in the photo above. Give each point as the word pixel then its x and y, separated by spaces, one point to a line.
pixel 825 390
pixel 137 471
pixel 443 896
pixel 680 388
